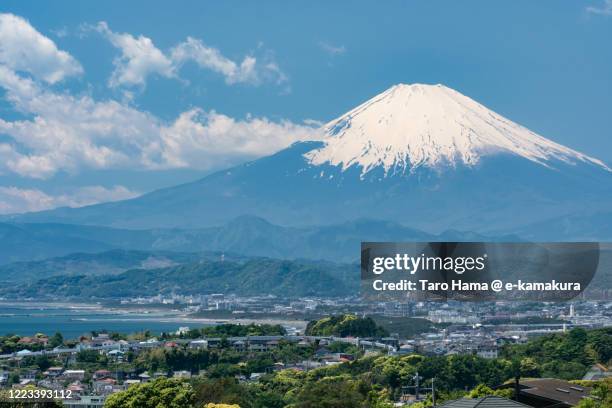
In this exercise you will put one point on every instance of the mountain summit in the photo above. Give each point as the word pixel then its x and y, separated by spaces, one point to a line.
pixel 412 126
pixel 421 155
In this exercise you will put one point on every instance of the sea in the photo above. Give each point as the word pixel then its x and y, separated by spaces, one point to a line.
pixel 75 320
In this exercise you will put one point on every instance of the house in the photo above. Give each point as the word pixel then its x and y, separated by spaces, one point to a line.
pixel 546 392
pixel 102 340
pixel 128 383
pixel 144 377
pixel 116 355
pixel 74 374
pixel 105 386
pixel 100 374
pixel 76 388
pixel 85 401
pixel 53 372
pixel 198 344
pixel 239 345
pixel 489 352
pixel 42 340
pixel 405 349
pixel 28 375
pixel 171 344
pixel 484 402
pixel 181 374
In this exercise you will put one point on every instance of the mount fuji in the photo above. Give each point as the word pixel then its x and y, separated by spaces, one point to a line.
pixel 422 155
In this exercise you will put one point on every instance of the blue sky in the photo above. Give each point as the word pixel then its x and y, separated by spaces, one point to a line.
pixel 105 100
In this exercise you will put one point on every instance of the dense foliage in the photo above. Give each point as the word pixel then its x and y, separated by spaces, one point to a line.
pixel 565 356
pixel 235 330
pixel 162 392
pixel 252 277
pixel 345 326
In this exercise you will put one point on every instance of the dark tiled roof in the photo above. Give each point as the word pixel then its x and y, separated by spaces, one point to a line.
pixel 485 402
pixel 555 390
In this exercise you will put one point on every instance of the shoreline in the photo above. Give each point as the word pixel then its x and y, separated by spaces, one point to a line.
pixel 140 315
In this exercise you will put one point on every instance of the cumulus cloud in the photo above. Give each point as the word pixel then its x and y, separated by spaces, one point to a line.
pixel 223 140
pixel 140 58
pixel 64 132
pixel 15 200
pixel 211 58
pixel 604 9
pixel 24 49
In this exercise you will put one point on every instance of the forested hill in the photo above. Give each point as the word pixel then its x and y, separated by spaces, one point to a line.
pixel 258 276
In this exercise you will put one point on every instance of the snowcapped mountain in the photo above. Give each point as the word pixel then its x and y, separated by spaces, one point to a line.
pixel 421 155
pixel 412 126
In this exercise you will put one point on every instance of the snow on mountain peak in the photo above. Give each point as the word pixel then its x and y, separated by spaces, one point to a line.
pixel 412 126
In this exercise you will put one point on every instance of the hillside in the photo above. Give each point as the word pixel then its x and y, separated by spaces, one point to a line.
pixel 260 276
pixel 247 235
pixel 105 263
pixel 423 156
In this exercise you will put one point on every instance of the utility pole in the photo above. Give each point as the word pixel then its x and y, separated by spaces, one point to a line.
pixel 433 393
pixel 417 377
pixel 417 388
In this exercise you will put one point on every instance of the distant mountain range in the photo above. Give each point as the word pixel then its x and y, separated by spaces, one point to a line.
pixel 247 235
pixel 257 276
pixel 415 163
pixel 111 262
pixel 423 156
pixel 126 274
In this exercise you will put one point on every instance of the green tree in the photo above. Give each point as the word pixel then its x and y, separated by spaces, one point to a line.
pixel 344 326
pixel 56 340
pixel 329 392
pixel 162 392
pixel 43 362
pixel 87 356
pixel 224 390
pixel 529 367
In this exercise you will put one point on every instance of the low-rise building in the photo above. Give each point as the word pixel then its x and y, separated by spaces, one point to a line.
pixel 85 401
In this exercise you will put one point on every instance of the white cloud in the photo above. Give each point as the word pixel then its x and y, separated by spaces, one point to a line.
pixel 211 58
pixel 331 49
pixel 17 200
pixel 604 9
pixel 139 58
pixel 67 133
pixel 24 49
pixel 61 132
pixel 222 139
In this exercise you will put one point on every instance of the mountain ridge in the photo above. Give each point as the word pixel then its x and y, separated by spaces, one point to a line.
pixel 501 192
pixel 245 235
